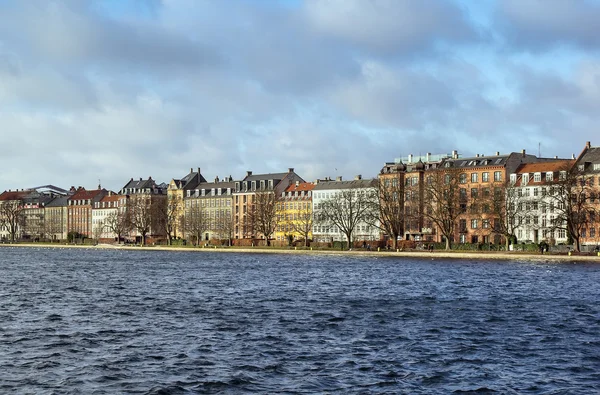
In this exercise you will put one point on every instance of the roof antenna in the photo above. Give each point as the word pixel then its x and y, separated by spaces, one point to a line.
pixel 99 185
pixel 539 150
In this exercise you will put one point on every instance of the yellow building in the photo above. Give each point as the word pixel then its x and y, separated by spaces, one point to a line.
pixel 295 213
pixel 176 191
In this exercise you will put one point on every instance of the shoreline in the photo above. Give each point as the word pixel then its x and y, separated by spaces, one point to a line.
pixel 514 256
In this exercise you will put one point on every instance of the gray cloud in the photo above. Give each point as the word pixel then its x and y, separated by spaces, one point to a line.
pixel 539 24
pixel 92 92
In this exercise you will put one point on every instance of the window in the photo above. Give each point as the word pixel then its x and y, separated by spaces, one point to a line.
pixel 486 223
pixel 562 175
pixel 474 192
pixel 549 176
pixel 525 179
pixel 537 177
pixel 497 176
pixel 462 178
pixel 593 232
pixel 463 193
pixel 447 179
pixel 583 233
pixel 485 177
pixel 474 177
pixel 580 167
pixel 535 191
pixel 474 223
pixel 462 224
pixel 513 178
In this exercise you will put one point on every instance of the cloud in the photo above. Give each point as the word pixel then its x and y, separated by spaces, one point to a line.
pixel 537 25
pixel 389 27
pixel 115 90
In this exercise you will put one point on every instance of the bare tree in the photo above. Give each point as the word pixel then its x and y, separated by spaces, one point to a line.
pixel 11 217
pixel 118 222
pixel 390 206
pixel 196 222
pixel 347 209
pixel 98 230
pixel 263 214
pixel 168 215
pixel 570 200
pixel 302 223
pixel 141 212
pixel 444 201
pixel 226 227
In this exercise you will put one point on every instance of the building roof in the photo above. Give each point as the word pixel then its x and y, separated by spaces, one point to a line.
pixel 589 158
pixel 301 186
pixel 84 194
pixel 15 195
pixel 495 160
pixel 542 167
pixel 328 185
pixel 59 201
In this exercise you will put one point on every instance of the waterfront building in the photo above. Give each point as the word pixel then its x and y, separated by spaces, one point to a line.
pixel 105 216
pixel 79 210
pixel 255 199
pixel 343 208
pixel 295 213
pixel 534 200
pixel 56 218
pixel 176 191
pixel 208 211
pixel 146 208
pixel 588 171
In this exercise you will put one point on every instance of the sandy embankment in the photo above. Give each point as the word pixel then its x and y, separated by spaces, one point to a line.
pixel 513 256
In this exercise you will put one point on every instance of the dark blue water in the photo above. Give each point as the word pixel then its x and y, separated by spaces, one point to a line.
pixel 104 321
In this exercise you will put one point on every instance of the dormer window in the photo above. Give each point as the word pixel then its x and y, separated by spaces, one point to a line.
pixel 189 193
pixel 237 186
pixel 270 184
pixel 596 166
pixel 262 185
pixel 525 179
pixel 581 167
pixel 562 175
pixel 513 178
pixel 254 185
pixel 549 176
pixel 219 191
pixel 537 177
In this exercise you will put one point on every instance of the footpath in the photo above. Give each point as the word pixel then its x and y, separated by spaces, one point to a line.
pixel 437 254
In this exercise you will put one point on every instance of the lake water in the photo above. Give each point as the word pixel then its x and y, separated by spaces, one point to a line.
pixel 106 321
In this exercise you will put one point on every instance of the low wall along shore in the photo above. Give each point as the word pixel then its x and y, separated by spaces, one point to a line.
pixel 512 256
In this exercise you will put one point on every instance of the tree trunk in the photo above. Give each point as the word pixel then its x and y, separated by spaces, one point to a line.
pixel 447 243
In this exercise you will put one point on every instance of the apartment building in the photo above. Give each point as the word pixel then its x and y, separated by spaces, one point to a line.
pixel 350 202
pixel 208 209
pixel 246 195
pixel 295 213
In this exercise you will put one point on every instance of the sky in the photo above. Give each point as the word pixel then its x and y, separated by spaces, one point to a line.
pixel 103 91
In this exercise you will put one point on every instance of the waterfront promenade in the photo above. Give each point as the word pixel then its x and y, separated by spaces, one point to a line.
pixel 436 254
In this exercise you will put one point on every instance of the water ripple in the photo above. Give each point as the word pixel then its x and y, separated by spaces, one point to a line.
pixel 143 322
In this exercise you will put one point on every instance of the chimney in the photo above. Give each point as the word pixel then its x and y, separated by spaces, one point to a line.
pixel 338 178
pixel 497 153
pixel 523 152
pixel 555 156
pixel 316 181
pixel 358 177
pixel 428 156
pixel 572 156
pixel 216 179
pixel 454 154
pixel 290 169
pixel 140 178
pixel 477 155
pixel 588 144
pixel 248 173
pixel 410 158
